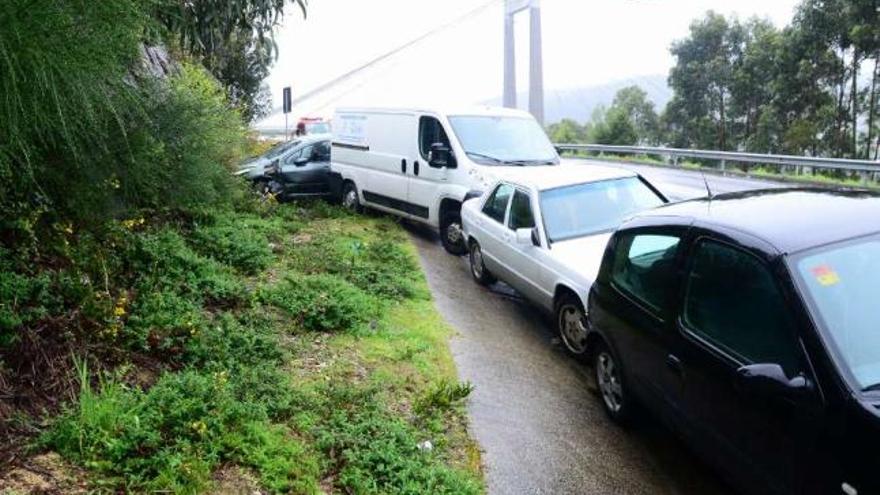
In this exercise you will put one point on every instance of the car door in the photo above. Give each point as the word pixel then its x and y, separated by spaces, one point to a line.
pixel 733 314
pixel 520 258
pixel 644 278
pixel 423 179
pixel 491 224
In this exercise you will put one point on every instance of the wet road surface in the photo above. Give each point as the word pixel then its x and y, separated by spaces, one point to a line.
pixel 534 410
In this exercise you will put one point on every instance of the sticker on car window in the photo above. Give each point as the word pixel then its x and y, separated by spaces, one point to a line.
pixel 825 275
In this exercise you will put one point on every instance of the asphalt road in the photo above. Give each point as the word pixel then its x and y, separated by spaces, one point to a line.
pixel 534 410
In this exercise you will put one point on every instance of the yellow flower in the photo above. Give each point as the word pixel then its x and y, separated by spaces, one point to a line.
pixel 199 427
pixel 118 311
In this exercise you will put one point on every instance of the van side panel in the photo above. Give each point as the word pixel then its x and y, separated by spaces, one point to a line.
pixel 370 149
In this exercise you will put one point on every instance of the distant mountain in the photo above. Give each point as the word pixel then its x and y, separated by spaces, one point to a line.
pixel 578 103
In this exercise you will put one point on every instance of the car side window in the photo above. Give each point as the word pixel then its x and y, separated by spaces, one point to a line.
pixel 733 302
pixel 496 206
pixel 521 212
pixel 430 131
pixel 294 156
pixel 644 268
pixel 322 151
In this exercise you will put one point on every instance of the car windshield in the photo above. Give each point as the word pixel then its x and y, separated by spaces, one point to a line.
pixel 841 282
pixel 280 149
pixel 585 209
pixel 504 140
pixel 318 128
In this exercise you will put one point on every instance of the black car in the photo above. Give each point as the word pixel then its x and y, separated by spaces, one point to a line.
pixel 303 171
pixel 750 323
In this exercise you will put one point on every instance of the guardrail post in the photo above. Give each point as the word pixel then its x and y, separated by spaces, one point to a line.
pixel 723 164
pixel 866 177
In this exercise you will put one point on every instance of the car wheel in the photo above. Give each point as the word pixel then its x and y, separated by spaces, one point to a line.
pixel 479 271
pixel 571 322
pixel 350 199
pixel 611 384
pixel 451 234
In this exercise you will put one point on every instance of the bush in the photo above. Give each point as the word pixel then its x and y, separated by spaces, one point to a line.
pixel 237 240
pixel 377 452
pixel 323 302
pixel 379 267
pixel 172 437
pixel 164 261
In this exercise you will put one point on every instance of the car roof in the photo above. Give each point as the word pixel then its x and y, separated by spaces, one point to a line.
pixel 791 219
pixel 479 110
pixel 543 177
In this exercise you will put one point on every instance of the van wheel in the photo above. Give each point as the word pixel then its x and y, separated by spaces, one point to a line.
pixel 616 400
pixel 571 323
pixel 350 199
pixel 479 271
pixel 451 234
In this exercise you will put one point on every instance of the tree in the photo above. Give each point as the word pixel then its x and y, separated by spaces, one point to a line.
pixel 632 102
pixel 233 38
pixel 702 80
pixel 567 131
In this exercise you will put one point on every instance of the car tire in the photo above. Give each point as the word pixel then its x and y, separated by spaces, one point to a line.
pixel 451 234
pixel 611 384
pixel 350 199
pixel 479 271
pixel 571 324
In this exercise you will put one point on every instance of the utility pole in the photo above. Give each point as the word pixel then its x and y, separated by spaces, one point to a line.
pixel 536 66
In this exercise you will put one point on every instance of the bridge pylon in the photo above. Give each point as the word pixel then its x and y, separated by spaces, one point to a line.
pixel 536 68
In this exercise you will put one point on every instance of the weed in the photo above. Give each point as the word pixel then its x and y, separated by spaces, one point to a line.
pixel 441 397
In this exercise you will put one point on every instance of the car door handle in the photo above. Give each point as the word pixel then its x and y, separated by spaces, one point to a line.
pixel 403 166
pixel 673 363
pixel 416 168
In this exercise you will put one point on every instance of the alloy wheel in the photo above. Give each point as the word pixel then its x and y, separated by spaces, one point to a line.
pixel 608 380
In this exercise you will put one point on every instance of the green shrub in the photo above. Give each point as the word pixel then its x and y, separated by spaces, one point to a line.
pixel 377 452
pixel 379 267
pixel 237 240
pixel 441 397
pixel 323 302
pixel 162 321
pixel 172 437
pixel 165 261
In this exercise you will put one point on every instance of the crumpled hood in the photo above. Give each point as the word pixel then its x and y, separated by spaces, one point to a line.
pixel 583 254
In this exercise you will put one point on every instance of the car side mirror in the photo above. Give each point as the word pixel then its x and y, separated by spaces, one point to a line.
pixel 299 162
pixel 441 156
pixel 770 379
pixel 528 236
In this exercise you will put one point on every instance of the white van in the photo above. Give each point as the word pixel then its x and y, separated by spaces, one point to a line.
pixel 423 164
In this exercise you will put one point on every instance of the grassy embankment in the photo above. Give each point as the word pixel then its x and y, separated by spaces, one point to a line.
pixel 289 348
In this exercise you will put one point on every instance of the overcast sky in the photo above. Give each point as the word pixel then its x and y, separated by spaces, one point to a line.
pixel 586 42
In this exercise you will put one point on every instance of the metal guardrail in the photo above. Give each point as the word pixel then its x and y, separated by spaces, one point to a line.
pixel 864 166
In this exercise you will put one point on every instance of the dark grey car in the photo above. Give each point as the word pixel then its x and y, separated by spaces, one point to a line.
pixel 302 171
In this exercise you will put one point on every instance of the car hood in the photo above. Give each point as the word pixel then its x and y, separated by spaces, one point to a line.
pixel 582 255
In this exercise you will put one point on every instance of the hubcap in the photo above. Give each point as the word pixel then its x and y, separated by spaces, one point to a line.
pixel 608 380
pixel 477 261
pixel 350 199
pixel 453 233
pixel 572 328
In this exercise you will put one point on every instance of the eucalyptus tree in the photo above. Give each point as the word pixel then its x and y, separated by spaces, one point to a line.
pixel 234 39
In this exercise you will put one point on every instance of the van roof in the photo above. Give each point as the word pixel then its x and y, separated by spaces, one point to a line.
pixel 482 110
pixel 543 177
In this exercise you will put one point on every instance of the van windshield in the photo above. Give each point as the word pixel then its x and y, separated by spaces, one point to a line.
pixel 504 140
pixel 841 282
